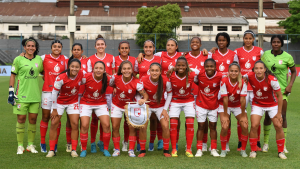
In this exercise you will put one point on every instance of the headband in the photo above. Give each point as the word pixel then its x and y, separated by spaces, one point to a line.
pixel 155 63
pixel 30 40
pixel 149 41
pixel 173 40
pixel 236 64
pixel 249 33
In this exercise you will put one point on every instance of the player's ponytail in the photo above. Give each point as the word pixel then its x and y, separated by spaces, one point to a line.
pixel 268 71
pixel 121 66
pixel 104 78
pixel 239 78
pixel 69 63
pixel 188 70
pixel 37 46
pixel 160 85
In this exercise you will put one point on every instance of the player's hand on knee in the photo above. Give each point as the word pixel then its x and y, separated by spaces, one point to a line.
pixel 165 115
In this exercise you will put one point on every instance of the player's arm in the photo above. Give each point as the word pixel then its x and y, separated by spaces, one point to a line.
pixel 168 101
pixel 280 101
pixel 144 95
pixel 244 119
pixel 14 71
pixel 288 89
pixel 224 95
pixel 57 86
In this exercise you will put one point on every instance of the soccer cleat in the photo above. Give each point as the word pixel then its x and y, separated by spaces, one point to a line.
pixel 100 145
pixel 177 146
pixel 131 153
pixel 116 153
pixel 174 153
pixel 214 153
pixel 167 154
pixel 239 146
pixel 151 147
pixel 243 153
pixel 227 147
pixel 74 153
pixel 209 148
pixel 69 148
pixel 223 153
pixel 31 149
pixel 93 148
pixel 252 154
pixel 55 148
pixel 189 153
pixel 258 146
pixel 285 150
pixel 43 148
pixel 282 155
pixel 204 147
pixel 138 148
pixel 199 153
pixel 83 153
pixel 51 154
pixel 265 148
pixel 142 153
pixel 125 145
pixel 160 145
pixel 20 150
pixel 106 153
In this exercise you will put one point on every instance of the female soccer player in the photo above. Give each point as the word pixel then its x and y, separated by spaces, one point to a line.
pixel 109 61
pixel 278 62
pixel 233 91
pixel 67 85
pixel 247 56
pixel 207 105
pixel 182 98
pixel 94 99
pixel 23 93
pixel 156 85
pixel 126 86
pixel 267 98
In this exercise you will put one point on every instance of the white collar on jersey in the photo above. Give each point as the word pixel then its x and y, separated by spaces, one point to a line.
pixel 54 57
pixel 122 59
pixel 150 59
pixel 260 80
pixel 128 81
pixel 248 50
pixel 195 56
pixel 179 77
pixel 231 83
pixel 100 58
pixel 173 55
pixel 74 77
pixel 154 83
pixel 212 76
pixel 223 54
pixel 96 79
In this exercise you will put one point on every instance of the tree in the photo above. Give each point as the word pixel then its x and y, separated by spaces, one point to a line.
pixel 160 21
pixel 292 23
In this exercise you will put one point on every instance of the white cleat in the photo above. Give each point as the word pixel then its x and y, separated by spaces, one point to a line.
pixel 20 150
pixel 252 154
pixel 31 149
pixel 74 153
pixel 227 147
pixel 69 148
pixel 199 153
pixel 285 150
pixel 265 148
pixel 223 153
pixel 214 153
pixel 125 145
pixel 51 154
pixel 131 153
pixel 282 155
pixel 204 147
pixel 243 153
pixel 116 153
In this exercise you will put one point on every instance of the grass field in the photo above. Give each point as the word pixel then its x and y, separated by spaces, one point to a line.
pixel 155 159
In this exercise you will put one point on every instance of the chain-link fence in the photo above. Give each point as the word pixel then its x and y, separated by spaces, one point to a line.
pixel 10 44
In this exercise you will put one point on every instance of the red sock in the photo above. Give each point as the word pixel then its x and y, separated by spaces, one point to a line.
pixel 244 140
pixel 132 140
pixel 189 132
pixel 68 134
pixel 152 136
pixel 116 141
pixel 52 144
pixel 101 132
pixel 74 144
pixel 204 138
pixel 213 144
pixel 253 143
pixel 138 136
pixel 143 144
pixel 258 132
pixel 166 143
pixel 126 131
pixel 106 140
pixel 83 140
pixel 223 140
pixel 199 145
pixel 173 132
pixel 43 130
pixel 239 131
pixel 177 135
pixel 280 145
pixel 94 127
pixel 228 135
pixel 58 132
pixel 159 131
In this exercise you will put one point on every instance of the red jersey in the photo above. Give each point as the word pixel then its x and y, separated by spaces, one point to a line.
pixel 92 94
pixel 247 59
pixel 68 88
pixel 264 92
pixel 119 60
pixel 125 91
pixel 224 60
pixel 233 92
pixel 143 68
pixel 182 92
pixel 151 88
pixel 209 88
pixel 167 62
pixel 52 67
pixel 196 62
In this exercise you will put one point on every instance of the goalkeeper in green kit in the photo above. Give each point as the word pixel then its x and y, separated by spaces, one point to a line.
pixel 24 92
pixel 279 62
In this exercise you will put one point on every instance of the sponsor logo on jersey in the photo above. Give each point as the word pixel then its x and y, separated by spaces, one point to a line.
pixel 164 61
pixel 259 93
pixel 143 66
pixel 207 90
pixel 231 98
pixel 254 58
pixel 228 61
pixel 181 91
pixel 56 68
pixel 265 88
pixel 90 87
pixel 74 90
pixel 129 91
pixel 148 90
pixel 148 72
pixel 122 95
pixel 221 67
pixel 280 62
pixel 96 94
pixel 31 73
pixel 247 65
pixel 154 96
pixel 67 87
pixel 170 66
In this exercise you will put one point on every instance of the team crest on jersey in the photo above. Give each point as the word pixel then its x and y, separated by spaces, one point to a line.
pixel 181 91
pixel 202 63
pixel 107 64
pixel 228 61
pixel 36 65
pixel 247 64
pixel 56 68
pixel 45 101
pixel 137 112
pixel 19 106
pixel 238 91
pixel 265 88
pixel 73 91
pixel 129 91
pixel 96 94
pixel 62 62
pixel 254 58
pixel 231 98
pixel 259 93
pixel 215 84
pixel 188 85
pixel 221 67
pixel 207 90
pixel 84 66
pixel 122 95
pixel 280 62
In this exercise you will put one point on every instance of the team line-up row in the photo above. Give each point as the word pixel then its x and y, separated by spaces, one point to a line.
pixel 201 85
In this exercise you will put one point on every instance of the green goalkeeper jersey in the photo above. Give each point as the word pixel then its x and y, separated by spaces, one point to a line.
pixel 279 66
pixel 26 84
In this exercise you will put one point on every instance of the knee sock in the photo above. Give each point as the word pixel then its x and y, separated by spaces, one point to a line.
pixel 74 144
pixel 52 144
pixel 285 131
pixel 204 138
pixel 244 140
pixel 267 129
pixel 258 132
pixel 20 129
pixel 101 133
pixel 31 133
pixel 199 145
pixel 132 140
pixel 177 135
pixel 253 144
pixel 223 140
pixel 166 143
pixel 68 135
pixel 58 131
pixel 116 141
pixel 83 140
pixel 189 133
pixel 126 131
pixel 228 135
pixel 159 131
pixel 239 131
pixel 173 132
pixel 143 144
pixel 94 127
pixel 106 140
pixel 43 131
pixel 152 136
pixel 280 145
pixel 213 144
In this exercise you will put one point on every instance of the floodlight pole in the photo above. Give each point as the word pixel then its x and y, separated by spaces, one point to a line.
pixel 71 33
pixel 259 25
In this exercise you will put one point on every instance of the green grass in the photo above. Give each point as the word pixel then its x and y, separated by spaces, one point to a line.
pixel 155 159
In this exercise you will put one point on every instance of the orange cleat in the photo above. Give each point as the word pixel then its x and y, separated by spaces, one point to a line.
pixel 239 149
pixel 258 148
pixel 142 153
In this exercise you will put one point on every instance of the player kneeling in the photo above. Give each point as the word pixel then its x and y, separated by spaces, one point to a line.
pixel 267 98
pixel 233 91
